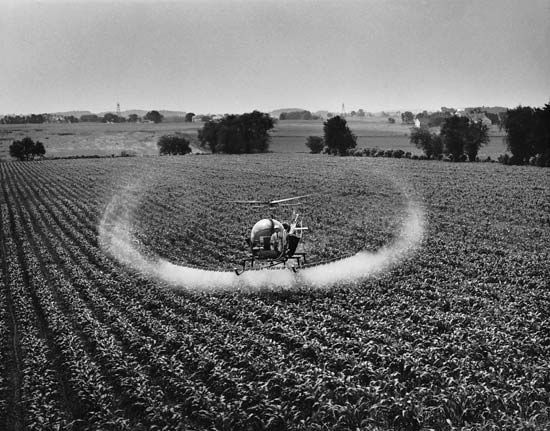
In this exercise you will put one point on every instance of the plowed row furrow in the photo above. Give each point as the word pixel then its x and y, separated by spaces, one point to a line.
pixel 37 399
pixel 254 307
pixel 129 382
pixel 10 367
pixel 244 330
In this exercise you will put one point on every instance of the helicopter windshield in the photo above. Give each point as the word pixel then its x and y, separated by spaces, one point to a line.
pixel 268 238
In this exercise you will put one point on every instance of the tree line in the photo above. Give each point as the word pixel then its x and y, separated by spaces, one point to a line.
pixel 27 119
pixel 109 117
pixel 459 138
pixel 436 119
pixel 527 137
pixel 298 115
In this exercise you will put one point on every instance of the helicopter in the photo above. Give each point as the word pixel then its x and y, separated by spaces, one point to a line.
pixel 272 242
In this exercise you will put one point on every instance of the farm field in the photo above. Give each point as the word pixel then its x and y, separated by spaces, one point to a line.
pixel 455 335
pixel 86 139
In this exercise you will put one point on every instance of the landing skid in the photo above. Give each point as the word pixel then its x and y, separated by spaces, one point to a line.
pixel 299 258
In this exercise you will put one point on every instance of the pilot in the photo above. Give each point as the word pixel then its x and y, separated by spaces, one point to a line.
pixel 292 239
pixel 290 229
pixel 276 241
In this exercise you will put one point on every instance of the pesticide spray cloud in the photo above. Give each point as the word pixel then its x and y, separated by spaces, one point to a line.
pixel 115 237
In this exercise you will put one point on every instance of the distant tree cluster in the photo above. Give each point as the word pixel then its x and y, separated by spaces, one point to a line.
pixel 173 145
pixel 71 119
pixel 27 149
pixel 90 118
pixel 436 119
pixel 460 139
pixel 23 119
pixel 154 116
pixel 237 134
pixel 339 139
pixel 205 118
pixel 407 117
pixel 528 135
pixel 298 115
pixel 38 119
pixel 109 117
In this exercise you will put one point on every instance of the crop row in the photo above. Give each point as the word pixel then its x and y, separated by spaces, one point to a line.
pixel 75 252
pixel 440 340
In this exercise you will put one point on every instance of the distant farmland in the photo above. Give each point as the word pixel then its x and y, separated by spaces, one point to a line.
pixel 86 139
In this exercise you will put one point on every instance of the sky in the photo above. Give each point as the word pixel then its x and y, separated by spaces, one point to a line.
pixel 214 56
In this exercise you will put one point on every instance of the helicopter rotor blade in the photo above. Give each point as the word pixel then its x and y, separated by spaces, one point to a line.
pixel 278 201
pixel 250 202
pixel 273 203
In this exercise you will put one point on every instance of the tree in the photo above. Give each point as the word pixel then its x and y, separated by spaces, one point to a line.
pixel 338 137
pixel 519 124
pixel 462 137
pixel 173 145
pixel 133 118
pixel 189 117
pixel 315 144
pixel 477 134
pixel 208 135
pixel 39 149
pixel 542 135
pixel 360 113
pixel 235 134
pixel 109 117
pixel 453 132
pixel 154 116
pixel 27 149
pixel 407 117
pixel 528 134
pixel 391 120
pixel 428 142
